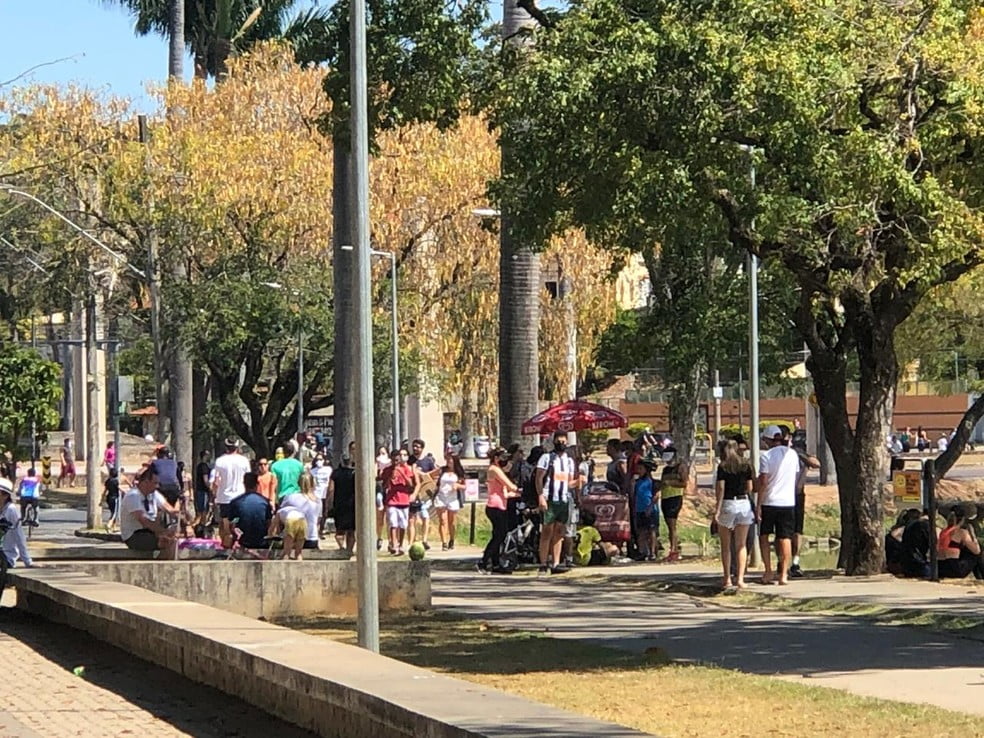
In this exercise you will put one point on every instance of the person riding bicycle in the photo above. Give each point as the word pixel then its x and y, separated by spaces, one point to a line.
pixel 14 545
pixel 29 491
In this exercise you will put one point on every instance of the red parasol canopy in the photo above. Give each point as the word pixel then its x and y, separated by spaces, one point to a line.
pixel 575 415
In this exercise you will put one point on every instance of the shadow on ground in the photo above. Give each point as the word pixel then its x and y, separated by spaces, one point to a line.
pixel 192 708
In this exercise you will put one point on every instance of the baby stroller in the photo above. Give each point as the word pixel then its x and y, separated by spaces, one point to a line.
pixel 522 544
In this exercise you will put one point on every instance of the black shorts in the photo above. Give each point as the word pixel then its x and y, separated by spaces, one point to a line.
pixel 142 540
pixel 225 510
pixel 671 507
pixel 800 512
pixel 171 492
pixel 647 520
pixel 778 520
pixel 598 557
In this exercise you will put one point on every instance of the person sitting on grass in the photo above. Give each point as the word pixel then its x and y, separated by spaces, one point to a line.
pixel 591 550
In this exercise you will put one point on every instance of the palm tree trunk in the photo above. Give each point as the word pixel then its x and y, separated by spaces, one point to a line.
pixel 343 268
pixel 176 39
pixel 519 292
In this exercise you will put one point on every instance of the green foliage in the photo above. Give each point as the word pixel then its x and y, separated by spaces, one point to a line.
pixel 733 429
pixel 637 429
pixel 865 137
pixel 421 61
pixel 591 441
pixel 30 386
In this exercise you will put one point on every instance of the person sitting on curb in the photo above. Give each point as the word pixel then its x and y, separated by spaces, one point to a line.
pixel 14 545
pixel 958 550
pixel 251 513
pixel 140 528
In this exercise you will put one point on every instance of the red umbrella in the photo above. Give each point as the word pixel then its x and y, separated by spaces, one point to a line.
pixel 575 415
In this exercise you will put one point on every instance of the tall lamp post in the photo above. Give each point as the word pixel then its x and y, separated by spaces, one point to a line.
pixel 395 325
pixel 92 459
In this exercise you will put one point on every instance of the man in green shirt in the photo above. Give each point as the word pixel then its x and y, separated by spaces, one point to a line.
pixel 288 473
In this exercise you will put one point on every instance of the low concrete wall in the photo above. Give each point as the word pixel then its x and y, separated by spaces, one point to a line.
pixel 334 690
pixel 271 589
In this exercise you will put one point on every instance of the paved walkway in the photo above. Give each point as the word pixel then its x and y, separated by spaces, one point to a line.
pixel 897 663
pixel 117 695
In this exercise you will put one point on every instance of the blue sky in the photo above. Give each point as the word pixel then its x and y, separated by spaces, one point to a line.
pixel 96 38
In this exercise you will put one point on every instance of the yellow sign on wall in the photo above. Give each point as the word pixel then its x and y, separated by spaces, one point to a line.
pixel 908 485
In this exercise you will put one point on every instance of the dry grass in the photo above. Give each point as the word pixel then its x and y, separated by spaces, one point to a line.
pixel 643 691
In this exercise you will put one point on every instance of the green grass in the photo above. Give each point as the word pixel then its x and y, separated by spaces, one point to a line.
pixel 647 691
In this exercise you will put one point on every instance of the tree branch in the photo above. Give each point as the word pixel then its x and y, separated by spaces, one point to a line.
pixel 960 439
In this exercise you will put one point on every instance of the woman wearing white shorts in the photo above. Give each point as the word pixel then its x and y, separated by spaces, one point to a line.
pixel 446 502
pixel 734 509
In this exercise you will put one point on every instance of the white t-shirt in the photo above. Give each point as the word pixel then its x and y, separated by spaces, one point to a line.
pixel 14 544
pixel 558 489
pixel 311 509
pixel 133 501
pixel 321 474
pixel 782 465
pixel 229 472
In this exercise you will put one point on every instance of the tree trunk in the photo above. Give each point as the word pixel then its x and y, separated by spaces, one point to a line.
pixel 519 292
pixel 961 438
pixel 467 425
pixel 684 399
pixel 176 39
pixel 343 267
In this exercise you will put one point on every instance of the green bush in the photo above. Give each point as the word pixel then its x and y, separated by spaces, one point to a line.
pixel 637 429
pixel 733 429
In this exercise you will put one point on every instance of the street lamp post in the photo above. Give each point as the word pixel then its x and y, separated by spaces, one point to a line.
pixel 753 350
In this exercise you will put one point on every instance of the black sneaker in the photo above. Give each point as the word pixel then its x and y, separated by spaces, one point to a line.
pixel 795 572
pixel 542 569
pixel 451 545
pixel 444 547
pixel 481 568
pixel 559 570
pixel 427 546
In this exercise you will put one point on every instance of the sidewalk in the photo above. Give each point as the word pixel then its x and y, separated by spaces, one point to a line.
pixel 116 694
pixel 860 656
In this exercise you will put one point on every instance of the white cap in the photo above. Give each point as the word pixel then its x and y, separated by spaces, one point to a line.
pixel 771 431
pixel 6 486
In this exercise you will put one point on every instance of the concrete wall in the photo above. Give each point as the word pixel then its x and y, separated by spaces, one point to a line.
pixel 329 688
pixel 271 589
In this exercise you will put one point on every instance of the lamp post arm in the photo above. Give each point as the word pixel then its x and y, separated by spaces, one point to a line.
pixel 75 226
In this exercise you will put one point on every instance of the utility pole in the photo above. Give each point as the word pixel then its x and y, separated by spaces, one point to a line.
pixel 93 399
pixel 154 290
pixel 368 621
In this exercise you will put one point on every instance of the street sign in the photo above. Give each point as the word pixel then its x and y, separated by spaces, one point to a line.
pixel 471 490
pixel 717 392
pixel 907 484
pixel 124 388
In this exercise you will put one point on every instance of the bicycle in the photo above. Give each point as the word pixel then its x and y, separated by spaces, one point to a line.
pixel 30 518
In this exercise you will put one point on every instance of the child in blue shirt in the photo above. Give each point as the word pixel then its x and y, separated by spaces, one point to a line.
pixel 646 509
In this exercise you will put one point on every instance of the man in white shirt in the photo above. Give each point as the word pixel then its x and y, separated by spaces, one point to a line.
pixel 555 479
pixel 140 526
pixel 14 545
pixel 779 468
pixel 230 470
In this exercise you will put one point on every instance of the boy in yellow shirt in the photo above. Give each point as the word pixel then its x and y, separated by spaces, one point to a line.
pixel 591 550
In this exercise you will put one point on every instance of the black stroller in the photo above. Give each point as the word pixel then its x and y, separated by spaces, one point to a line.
pixel 522 544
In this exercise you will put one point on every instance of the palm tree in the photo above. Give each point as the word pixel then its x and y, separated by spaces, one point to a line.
pixel 519 287
pixel 214 30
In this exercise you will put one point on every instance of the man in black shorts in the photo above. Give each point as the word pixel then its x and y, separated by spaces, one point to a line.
pixel 805 462
pixel 776 492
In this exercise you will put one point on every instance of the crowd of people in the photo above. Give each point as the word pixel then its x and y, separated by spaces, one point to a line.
pixel 237 502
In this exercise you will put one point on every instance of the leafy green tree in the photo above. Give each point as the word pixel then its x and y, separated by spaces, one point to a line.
pixel 30 387
pixel 861 124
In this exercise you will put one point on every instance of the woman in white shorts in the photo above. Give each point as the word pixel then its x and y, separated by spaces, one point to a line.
pixel 446 502
pixel 734 509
